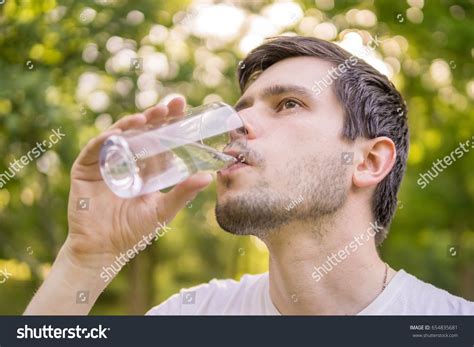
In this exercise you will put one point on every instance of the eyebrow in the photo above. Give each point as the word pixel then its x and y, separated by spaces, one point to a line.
pixel 274 90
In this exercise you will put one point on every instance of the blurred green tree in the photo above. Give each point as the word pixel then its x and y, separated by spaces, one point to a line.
pixel 79 66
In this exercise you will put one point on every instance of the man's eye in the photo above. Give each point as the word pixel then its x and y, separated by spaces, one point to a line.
pixel 289 104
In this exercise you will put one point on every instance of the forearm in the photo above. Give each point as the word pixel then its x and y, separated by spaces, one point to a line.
pixel 72 286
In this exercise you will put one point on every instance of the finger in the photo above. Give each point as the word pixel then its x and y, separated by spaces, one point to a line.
pixel 176 198
pixel 90 153
pixel 156 115
pixel 160 114
pixel 176 106
pixel 128 122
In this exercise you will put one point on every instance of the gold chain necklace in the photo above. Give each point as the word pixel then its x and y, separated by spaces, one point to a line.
pixel 385 277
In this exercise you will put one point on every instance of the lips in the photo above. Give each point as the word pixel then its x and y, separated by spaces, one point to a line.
pixel 241 163
pixel 240 156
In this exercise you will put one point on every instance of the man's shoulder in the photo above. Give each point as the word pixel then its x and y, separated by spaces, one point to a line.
pixel 227 288
pixel 218 296
pixel 419 297
pixel 226 284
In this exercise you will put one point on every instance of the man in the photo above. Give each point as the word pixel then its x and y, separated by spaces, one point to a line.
pixel 327 143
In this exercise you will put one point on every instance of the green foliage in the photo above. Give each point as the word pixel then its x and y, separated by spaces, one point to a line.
pixel 47 47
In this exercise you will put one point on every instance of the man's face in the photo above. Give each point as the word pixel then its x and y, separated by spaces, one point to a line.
pixel 294 147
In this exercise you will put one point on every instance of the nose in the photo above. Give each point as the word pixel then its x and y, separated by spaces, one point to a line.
pixel 246 130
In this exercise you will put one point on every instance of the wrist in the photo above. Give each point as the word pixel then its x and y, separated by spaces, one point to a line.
pixel 95 269
pixel 81 260
pixel 73 284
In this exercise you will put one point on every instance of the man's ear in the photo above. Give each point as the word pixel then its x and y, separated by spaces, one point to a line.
pixel 374 162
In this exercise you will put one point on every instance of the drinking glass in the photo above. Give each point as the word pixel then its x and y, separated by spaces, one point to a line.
pixel 142 161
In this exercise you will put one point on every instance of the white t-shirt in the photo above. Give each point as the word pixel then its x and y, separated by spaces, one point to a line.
pixel 404 295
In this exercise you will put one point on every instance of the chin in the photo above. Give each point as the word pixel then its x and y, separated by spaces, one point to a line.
pixel 252 211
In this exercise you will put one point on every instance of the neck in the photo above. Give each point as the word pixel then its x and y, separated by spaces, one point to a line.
pixel 325 270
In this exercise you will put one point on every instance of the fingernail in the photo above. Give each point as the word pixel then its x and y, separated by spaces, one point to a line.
pixel 208 176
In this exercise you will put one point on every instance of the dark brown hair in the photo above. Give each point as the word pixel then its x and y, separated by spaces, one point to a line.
pixel 372 105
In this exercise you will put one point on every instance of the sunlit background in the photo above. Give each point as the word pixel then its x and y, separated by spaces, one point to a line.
pixel 83 65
